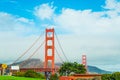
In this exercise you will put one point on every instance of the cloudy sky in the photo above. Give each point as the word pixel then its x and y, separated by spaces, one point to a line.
pixel 90 27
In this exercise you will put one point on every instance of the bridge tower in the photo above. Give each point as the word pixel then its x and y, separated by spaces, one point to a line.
pixel 49 48
pixel 84 61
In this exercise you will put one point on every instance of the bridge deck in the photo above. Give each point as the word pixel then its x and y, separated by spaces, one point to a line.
pixel 39 69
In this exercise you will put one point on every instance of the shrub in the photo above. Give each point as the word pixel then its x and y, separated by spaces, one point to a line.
pixel 54 77
pixel 19 74
pixel 41 75
pixel 31 74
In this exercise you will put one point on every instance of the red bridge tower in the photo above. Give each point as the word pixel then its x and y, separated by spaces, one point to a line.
pixel 84 61
pixel 49 48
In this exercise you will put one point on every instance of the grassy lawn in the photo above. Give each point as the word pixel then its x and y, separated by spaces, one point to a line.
pixel 17 78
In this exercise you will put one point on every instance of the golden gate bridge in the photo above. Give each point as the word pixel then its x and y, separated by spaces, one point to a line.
pixel 49 54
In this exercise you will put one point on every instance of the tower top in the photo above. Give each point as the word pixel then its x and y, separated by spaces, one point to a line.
pixel 84 61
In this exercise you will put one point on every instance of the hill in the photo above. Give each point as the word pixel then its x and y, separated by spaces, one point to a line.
pixel 29 63
pixel 38 63
pixel 93 69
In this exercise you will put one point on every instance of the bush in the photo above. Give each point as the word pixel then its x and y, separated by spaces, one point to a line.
pixel 54 77
pixel 19 74
pixel 31 74
pixel 41 75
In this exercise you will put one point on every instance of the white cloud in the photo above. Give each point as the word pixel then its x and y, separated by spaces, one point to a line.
pixel 86 21
pixel 24 20
pixel 44 11
pixel 6 20
pixel 76 21
pixel 15 24
pixel 16 35
pixel 112 5
pixel 13 46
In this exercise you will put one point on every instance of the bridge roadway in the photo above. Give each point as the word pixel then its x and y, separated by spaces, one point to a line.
pixel 36 69
pixel 39 69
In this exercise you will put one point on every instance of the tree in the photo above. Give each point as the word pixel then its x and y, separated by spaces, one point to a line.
pixel 68 67
pixel 115 76
pixel 106 77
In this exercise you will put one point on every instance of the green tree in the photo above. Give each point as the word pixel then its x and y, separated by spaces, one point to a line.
pixel 106 77
pixel 115 76
pixel 68 67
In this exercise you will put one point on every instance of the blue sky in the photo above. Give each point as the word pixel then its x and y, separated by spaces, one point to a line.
pixel 83 27
pixel 22 7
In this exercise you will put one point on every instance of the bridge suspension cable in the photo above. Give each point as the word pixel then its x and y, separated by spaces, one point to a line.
pixel 59 55
pixel 33 53
pixel 61 48
pixel 28 49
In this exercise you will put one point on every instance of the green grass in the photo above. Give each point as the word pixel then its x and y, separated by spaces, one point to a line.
pixel 17 78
